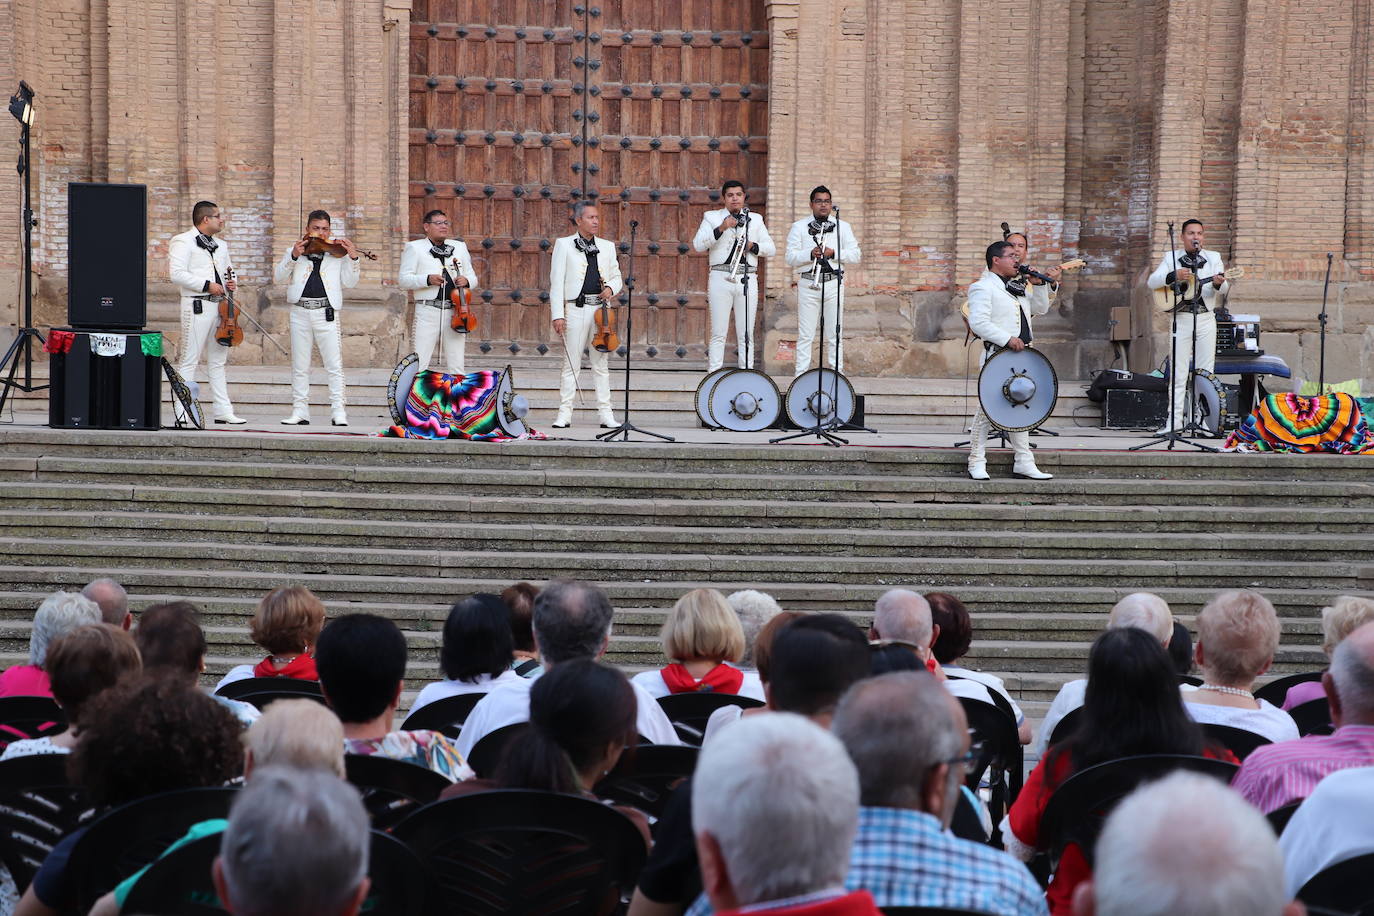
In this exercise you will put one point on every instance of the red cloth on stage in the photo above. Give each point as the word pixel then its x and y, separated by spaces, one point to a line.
pixel 721 679
pixel 302 667
pixel 59 341
pixel 858 903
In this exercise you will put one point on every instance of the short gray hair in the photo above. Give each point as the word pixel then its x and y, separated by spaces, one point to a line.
pixel 571 620
pixel 59 614
pixel 578 207
pixel 113 600
pixel 1230 866
pixel 754 609
pixel 1352 674
pixel 781 798
pixel 896 727
pixel 1144 611
pixel 1239 633
pixel 297 842
pixel 903 615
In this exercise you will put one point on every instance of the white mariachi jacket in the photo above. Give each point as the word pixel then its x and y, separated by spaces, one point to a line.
pixel 336 273
pixel 190 267
pixel 1210 291
pixel 800 242
pixel 568 272
pixel 719 248
pixel 994 314
pixel 417 263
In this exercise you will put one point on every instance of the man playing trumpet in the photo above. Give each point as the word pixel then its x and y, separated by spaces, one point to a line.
pixel 812 252
pixel 734 240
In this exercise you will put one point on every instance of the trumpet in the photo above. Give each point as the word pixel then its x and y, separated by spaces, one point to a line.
pixel 738 265
pixel 818 231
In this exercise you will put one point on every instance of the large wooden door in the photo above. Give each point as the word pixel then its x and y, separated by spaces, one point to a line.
pixel 520 107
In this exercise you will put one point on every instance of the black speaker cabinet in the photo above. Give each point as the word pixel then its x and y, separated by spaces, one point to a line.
pixel 1127 408
pixel 89 390
pixel 107 255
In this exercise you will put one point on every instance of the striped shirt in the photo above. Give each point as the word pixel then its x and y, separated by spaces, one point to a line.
pixel 1276 774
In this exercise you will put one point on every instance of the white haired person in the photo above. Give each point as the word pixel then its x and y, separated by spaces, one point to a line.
pixel 1342 617
pixel 754 609
pixel 1186 846
pixel 701 636
pixel 903 617
pixel 59 614
pixel 1237 635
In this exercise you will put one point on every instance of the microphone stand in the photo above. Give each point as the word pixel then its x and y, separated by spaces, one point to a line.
pixel 839 338
pixel 626 427
pixel 1321 322
pixel 823 431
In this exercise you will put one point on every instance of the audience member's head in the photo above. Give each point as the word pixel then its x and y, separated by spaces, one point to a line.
pixel 361 659
pixel 814 660
pixel 288 621
pixel 903 615
pixel 1342 617
pixel 905 732
pixel 300 733
pixel 763 643
pixel 582 715
pixel 1350 682
pixel 147 735
pixel 59 613
pixel 297 844
pixel 1143 611
pixel 477 639
pixel 955 627
pixel 702 626
pixel 170 639
pixel 1237 636
pixel 1185 846
pixel 1181 649
pixel 113 601
pixel 87 661
pixel 571 620
pixel 754 609
pixel 519 599
pixel 887 657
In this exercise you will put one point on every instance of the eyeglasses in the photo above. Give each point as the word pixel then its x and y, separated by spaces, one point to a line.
pixel 884 643
pixel 969 758
pixel 438 222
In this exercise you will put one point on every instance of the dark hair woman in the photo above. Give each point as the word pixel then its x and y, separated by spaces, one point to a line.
pixel 477 652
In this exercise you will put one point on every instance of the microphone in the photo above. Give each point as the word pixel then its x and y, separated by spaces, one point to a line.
pixel 1026 271
pixel 634 224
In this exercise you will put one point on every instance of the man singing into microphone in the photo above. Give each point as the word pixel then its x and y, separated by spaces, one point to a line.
pixel 1194 312
pixel 734 240
pixel 811 252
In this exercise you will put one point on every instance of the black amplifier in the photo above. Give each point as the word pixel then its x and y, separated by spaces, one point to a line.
pixel 1127 408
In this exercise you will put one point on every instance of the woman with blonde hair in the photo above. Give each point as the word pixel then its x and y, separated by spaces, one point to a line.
pixel 1342 617
pixel 701 636
pixel 287 623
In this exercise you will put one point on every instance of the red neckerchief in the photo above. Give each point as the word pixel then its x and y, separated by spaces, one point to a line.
pixel 720 679
pixel 302 667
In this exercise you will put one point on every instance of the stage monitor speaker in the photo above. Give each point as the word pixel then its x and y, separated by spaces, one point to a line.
pixel 1127 408
pixel 107 256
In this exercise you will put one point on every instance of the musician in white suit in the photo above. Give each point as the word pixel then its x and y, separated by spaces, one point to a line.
pixel 199 264
pixel 434 266
pixel 811 248
pixel 584 271
pixel 734 240
pixel 1192 261
pixel 315 285
pixel 1002 319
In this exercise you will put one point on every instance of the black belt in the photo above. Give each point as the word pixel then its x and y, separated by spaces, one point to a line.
pixel 1191 307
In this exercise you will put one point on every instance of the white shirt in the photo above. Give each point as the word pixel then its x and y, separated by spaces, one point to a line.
pixel 29 746
pixel 236 673
pixel 568 271
pixel 442 690
pixel 1069 698
pixel 336 274
pixel 719 248
pixel 417 263
pixel 991 682
pixel 1214 266
pixel 994 315
pixel 1335 823
pixel 652 683
pixel 969 690
pixel 800 243
pixel 1270 721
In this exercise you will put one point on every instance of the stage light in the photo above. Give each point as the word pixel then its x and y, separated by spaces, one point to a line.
pixel 21 104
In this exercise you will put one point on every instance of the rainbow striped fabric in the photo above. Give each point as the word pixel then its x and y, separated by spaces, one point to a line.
pixel 442 406
pixel 1289 423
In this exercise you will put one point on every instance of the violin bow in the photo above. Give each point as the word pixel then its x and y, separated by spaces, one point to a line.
pixel 567 356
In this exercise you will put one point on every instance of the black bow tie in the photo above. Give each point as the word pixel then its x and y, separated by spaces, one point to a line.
pixel 1016 286
pixel 206 242
pixel 441 251
pixel 586 246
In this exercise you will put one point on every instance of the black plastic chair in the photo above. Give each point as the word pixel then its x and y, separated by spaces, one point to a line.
pixel 37 809
pixel 1344 887
pixel 646 776
pixel 1276 691
pixel 179 883
pixel 1190 680
pixel 241 689
pixel 689 711
pixel 486 753
pixel 1002 762
pixel 1313 717
pixel 29 717
pixel 392 789
pixel 1077 809
pixel 1279 817
pixel 1239 741
pixel 998 700
pixel 1065 726
pixel 122 841
pixel 521 851
pixel 446 715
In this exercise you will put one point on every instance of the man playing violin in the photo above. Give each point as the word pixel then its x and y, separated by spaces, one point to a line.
pixel 1194 310
pixel 585 272
pixel 199 265
pixel 434 266
pixel 315 284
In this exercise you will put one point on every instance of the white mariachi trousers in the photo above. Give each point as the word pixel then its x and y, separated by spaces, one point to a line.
pixel 725 295
pixel 310 328
pixel 1181 355
pixel 978 445
pixel 197 339
pixel 809 309
pixel 578 337
pixel 430 325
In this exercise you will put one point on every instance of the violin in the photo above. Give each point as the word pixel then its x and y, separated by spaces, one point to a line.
pixel 230 332
pixel 605 339
pixel 463 320
pixel 317 244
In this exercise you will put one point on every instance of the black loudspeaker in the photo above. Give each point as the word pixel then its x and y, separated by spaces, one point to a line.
pixel 1126 408
pixel 105 392
pixel 107 255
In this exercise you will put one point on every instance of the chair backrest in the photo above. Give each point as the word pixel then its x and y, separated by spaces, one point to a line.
pixel 122 841
pixel 1190 680
pixel 1239 741
pixel 1002 760
pixel 1279 817
pixel 1344 887
pixel 240 689
pixel 37 809
pixel 1077 809
pixel 1313 717
pixel 391 789
pixel 645 777
pixel 29 717
pixel 998 700
pixel 689 711
pixel 446 715
pixel 522 851
pixel 486 753
pixel 1065 726
pixel 1276 691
